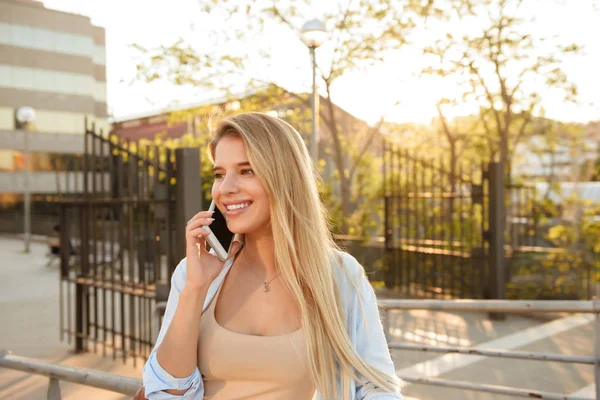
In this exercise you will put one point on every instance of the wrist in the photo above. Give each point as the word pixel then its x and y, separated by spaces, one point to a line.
pixel 193 291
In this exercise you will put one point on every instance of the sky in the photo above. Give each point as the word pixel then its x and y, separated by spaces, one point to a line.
pixel 367 94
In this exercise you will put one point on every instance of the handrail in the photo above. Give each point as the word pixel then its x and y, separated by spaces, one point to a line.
pixel 88 377
pixel 129 386
pixel 502 306
pixel 499 306
pixel 503 390
pixel 521 355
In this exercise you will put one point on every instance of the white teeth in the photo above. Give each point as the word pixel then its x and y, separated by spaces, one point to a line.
pixel 237 206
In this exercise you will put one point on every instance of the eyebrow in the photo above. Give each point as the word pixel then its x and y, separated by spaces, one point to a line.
pixel 241 164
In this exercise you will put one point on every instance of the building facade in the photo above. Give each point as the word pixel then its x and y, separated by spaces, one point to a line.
pixel 54 62
pixel 566 156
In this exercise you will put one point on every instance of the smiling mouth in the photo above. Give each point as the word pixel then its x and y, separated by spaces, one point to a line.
pixel 238 206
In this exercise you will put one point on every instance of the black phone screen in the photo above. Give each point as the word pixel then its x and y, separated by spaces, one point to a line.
pixel 219 228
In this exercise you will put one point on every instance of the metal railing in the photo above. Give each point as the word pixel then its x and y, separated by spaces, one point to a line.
pixel 500 306
pixel 129 386
pixel 56 373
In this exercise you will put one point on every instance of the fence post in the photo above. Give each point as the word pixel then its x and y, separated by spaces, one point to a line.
pixel 53 389
pixel 188 193
pixel 496 235
pixel 597 345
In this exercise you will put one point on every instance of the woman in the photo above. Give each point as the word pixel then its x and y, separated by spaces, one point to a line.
pixel 288 316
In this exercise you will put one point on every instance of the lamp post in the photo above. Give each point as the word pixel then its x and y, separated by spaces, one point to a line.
pixel 25 117
pixel 314 34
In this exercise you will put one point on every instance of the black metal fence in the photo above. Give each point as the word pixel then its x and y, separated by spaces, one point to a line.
pixel 537 266
pixel 454 229
pixel 118 245
pixel 436 226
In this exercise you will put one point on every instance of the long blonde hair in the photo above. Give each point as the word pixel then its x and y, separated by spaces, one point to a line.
pixel 303 247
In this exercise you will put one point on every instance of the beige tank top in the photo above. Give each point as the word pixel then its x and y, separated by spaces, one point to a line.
pixel 240 366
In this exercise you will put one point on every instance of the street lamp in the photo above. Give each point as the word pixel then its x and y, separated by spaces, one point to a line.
pixel 25 118
pixel 314 34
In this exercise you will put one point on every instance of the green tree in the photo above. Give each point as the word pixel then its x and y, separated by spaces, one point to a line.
pixel 361 33
pixel 503 67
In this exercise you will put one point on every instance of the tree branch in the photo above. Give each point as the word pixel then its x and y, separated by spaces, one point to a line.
pixel 373 131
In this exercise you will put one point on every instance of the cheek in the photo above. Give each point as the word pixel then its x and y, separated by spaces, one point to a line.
pixel 215 190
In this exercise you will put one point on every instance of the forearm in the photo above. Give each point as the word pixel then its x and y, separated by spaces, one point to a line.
pixel 178 352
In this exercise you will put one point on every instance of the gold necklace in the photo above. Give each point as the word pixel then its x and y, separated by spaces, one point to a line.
pixel 265 284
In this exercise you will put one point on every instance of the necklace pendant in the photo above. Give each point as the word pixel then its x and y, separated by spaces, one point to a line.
pixel 266 288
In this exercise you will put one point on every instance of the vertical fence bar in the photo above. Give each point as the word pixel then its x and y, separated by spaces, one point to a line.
pixel 401 218
pixel 133 170
pixel 424 264
pixel 112 218
pixel 427 236
pixel 94 217
pixel 477 246
pixel 80 301
pixel 396 218
pixel 67 283
pixel 437 223
pixel 447 273
pixel 149 268
pixel 387 232
pixel 53 389
pixel 129 248
pixel 157 217
pixel 461 233
pixel 482 229
pixel 496 227
pixel 145 239
pixel 410 218
pixel 159 244
pixel 393 202
pixel 120 193
pixel 597 345
pixel 65 253
pixel 103 210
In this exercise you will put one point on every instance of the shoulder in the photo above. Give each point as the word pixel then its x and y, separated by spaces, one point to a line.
pixel 349 274
pixel 346 264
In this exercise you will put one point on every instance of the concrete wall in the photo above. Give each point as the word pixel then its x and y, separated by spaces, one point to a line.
pixel 50 182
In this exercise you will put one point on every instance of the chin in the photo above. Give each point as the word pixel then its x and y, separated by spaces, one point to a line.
pixel 237 228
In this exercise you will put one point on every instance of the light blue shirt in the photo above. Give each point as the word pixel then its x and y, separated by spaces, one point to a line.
pixel 363 324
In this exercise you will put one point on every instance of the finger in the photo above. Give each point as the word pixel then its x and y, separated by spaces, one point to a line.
pixel 201 214
pixel 198 232
pixel 198 223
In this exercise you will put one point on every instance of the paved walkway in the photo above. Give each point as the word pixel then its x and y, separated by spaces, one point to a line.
pixel 29 312
pixel 29 327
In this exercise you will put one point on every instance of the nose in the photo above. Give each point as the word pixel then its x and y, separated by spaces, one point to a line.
pixel 229 185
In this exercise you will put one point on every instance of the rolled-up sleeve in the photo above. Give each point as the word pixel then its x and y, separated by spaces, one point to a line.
pixel 156 379
pixel 370 342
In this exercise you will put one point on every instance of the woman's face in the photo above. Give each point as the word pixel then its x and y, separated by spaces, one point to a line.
pixel 237 191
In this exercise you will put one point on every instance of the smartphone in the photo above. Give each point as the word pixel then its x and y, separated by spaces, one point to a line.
pixel 220 238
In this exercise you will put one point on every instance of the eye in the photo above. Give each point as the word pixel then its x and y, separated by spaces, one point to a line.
pixel 218 176
pixel 247 172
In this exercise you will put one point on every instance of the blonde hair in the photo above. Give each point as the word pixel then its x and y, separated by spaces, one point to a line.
pixel 303 247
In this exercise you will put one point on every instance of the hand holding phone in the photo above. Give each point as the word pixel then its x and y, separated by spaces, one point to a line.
pixel 202 266
pixel 220 237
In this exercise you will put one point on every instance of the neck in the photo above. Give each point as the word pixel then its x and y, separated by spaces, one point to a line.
pixel 260 253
